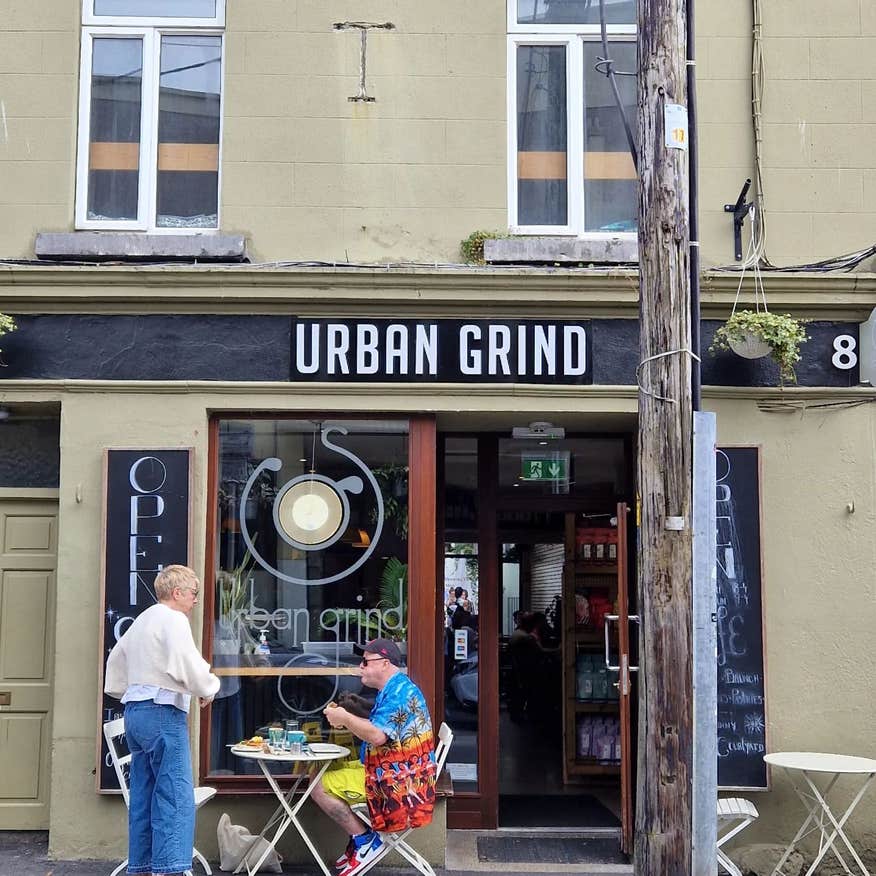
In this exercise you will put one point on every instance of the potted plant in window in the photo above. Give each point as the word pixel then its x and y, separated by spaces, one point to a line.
pixel 756 333
pixel 231 597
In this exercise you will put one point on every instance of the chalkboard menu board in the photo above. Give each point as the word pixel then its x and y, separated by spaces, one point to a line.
pixel 741 696
pixel 146 527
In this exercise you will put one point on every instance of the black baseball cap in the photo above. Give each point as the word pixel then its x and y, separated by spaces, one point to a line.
pixel 382 648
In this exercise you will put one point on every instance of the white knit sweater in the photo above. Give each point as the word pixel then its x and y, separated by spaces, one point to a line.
pixel 158 649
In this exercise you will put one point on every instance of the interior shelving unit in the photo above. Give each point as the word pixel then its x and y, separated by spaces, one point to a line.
pixel 581 576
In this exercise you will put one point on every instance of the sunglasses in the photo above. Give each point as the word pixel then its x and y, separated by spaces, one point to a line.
pixel 366 662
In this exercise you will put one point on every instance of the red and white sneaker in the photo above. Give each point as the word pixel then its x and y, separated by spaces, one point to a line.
pixel 365 853
pixel 344 859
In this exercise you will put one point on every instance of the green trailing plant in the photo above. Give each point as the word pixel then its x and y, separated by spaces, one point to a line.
pixel 472 248
pixel 393 482
pixel 392 605
pixel 780 332
pixel 393 593
pixel 7 324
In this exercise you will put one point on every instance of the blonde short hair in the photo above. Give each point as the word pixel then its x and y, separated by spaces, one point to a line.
pixel 171 577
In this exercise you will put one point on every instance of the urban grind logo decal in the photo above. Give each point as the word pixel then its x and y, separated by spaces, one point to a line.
pixel 312 511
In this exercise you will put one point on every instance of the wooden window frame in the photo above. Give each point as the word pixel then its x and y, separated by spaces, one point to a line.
pixel 423 617
pixel 149 151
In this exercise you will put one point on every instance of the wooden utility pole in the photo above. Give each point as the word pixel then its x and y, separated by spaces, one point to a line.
pixel 663 810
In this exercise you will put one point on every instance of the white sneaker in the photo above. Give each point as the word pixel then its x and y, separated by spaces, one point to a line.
pixel 365 854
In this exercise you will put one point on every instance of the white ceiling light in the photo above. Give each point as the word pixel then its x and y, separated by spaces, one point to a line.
pixel 538 430
pixel 5 413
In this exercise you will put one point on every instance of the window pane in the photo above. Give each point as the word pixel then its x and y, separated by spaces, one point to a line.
pixel 114 153
pixel 460 608
pixel 541 135
pixel 309 556
pixel 157 8
pixel 29 449
pixel 610 191
pixel 575 11
pixel 188 131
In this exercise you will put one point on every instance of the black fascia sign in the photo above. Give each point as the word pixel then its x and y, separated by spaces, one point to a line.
pixel 441 351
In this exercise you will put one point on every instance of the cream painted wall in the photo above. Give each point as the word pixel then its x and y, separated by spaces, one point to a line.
pixel 309 175
pixel 83 823
pixel 819 593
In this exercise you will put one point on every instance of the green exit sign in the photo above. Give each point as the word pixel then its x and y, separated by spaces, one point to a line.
pixel 544 469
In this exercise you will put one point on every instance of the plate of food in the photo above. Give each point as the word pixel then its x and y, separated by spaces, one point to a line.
pixel 254 743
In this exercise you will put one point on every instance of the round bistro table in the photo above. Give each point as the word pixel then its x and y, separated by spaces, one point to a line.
pixel 806 765
pixel 319 755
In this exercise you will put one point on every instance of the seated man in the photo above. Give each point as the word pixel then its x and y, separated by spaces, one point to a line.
pixel 396 776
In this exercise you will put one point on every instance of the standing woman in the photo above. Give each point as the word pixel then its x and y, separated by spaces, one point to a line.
pixel 155 669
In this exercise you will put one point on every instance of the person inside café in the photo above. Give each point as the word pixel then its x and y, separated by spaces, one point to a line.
pixel 534 668
pixel 155 669
pixel 395 775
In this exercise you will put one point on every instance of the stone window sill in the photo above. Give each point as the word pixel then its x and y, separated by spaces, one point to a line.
pixel 97 246
pixel 622 249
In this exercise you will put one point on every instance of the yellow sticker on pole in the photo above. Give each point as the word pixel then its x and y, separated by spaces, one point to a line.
pixel 675 126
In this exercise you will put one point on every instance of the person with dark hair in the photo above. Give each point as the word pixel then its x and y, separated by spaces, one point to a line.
pixel 532 667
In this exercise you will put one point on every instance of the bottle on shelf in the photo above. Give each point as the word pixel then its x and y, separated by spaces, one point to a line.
pixel 263 647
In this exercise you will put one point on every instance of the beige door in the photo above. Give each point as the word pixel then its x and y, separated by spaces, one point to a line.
pixel 28 549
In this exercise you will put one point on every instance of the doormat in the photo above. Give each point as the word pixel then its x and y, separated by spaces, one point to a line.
pixel 548 850
pixel 554 810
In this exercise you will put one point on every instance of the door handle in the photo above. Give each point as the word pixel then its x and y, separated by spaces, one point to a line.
pixel 608 619
pixel 5 697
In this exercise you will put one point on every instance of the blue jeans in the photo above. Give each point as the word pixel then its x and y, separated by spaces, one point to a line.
pixel 161 813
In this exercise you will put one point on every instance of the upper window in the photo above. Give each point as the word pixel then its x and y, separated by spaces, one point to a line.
pixel 149 115
pixel 570 170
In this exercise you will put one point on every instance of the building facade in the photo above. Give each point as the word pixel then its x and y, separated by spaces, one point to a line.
pixel 219 238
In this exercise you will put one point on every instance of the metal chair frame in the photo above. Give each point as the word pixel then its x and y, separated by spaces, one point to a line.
pixel 397 841
pixel 114 730
pixel 738 813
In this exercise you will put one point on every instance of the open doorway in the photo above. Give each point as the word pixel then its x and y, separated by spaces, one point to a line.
pixel 535 790
pixel 526 687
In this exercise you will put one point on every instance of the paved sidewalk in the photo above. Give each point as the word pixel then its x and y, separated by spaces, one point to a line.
pixel 25 854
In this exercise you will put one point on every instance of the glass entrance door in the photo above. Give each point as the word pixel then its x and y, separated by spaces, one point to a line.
pixel 510 662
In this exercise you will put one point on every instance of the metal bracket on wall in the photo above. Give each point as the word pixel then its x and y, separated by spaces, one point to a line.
pixel 363 27
pixel 740 211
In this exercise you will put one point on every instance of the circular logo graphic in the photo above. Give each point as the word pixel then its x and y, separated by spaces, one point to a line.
pixel 310 512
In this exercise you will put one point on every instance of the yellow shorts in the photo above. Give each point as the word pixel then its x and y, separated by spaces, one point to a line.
pixel 346 781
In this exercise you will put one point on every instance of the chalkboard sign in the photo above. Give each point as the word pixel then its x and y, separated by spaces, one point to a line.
pixel 145 527
pixel 741 694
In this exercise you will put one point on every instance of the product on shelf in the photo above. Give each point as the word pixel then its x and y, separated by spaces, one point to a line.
pixel 596 544
pixel 598 738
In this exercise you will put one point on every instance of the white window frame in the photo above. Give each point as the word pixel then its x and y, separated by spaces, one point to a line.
pixel 573 37
pixel 147 188
pixel 90 19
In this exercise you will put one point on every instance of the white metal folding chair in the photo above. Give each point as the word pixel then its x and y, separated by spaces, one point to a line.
pixel 113 731
pixel 734 813
pixel 397 841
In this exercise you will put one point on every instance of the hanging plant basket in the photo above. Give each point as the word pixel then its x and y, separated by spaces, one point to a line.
pixel 753 334
pixel 749 346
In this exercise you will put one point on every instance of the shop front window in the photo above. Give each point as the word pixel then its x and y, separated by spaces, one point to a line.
pixel 311 560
